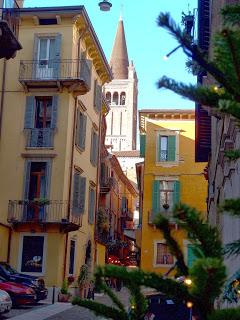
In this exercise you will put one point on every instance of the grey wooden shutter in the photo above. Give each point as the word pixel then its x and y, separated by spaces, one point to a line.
pixel 91 205
pixel 77 135
pixel 83 133
pixel 29 113
pixel 76 193
pixel 35 56
pixel 82 195
pixel 54 112
pixel 26 179
pixel 94 149
pixel 34 134
pixel 48 177
pixel 57 60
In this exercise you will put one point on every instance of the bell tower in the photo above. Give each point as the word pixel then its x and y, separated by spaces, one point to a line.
pixel 121 94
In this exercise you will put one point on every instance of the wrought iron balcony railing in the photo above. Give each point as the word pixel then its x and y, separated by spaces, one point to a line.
pixel 39 138
pixel 43 211
pixel 107 184
pixel 73 74
pixel 152 215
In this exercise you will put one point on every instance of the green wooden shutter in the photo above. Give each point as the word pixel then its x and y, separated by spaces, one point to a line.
pixel 171 152
pixel 54 112
pixel 142 145
pixel 76 194
pixel 29 113
pixel 155 197
pixel 176 192
pixel 82 190
pixel 91 206
pixel 159 148
pixel 190 255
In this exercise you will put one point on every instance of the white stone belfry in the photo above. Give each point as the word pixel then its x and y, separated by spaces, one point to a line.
pixel 121 93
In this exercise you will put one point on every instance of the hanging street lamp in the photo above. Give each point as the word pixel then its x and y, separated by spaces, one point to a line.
pixel 105 5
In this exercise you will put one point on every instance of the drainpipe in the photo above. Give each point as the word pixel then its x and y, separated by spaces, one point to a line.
pixel 71 161
pixel 3 92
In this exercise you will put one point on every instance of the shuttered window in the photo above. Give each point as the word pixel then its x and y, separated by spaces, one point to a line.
pixel 163 254
pixel 142 145
pixel 81 130
pixel 91 205
pixel 166 148
pixel 79 193
pixel 165 194
pixel 94 149
pixel 97 96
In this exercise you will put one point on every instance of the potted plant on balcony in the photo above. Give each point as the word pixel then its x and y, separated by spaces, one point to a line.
pixel 41 201
pixel 83 281
pixel 102 221
pixel 64 295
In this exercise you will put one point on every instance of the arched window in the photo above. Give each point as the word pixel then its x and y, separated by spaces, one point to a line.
pixel 108 97
pixel 115 98
pixel 122 98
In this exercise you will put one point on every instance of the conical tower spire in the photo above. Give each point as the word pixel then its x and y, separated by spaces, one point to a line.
pixel 119 57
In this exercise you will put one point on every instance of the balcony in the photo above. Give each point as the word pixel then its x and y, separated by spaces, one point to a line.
pixel 127 214
pixel 75 75
pixel 107 184
pixel 9 25
pixel 166 214
pixel 39 138
pixel 43 213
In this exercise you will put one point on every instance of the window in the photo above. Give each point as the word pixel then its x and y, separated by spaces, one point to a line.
pixel 97 96
pixel 79 193
pixel 165 194
pixel 166 150
pixel 91 205
pixel 163 255
pixel 115 98
pixel 122 98
pixel 94 149
pixel 41 120
pixel 32 254
pixel 46 56
pixel 108 97
pixel 81 130
pixel 72 256
pixel 36 185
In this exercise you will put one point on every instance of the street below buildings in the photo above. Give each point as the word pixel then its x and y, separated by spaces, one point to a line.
pixel 61 311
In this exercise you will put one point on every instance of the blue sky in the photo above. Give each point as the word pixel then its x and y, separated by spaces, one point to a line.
pixel 146 42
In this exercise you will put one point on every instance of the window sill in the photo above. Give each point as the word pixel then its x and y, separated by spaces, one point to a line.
pixel 163 265
pixel 167 163
pixel 39 148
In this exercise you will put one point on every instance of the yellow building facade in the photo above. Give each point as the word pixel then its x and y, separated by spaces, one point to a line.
pixel 170 175
pixel 50 115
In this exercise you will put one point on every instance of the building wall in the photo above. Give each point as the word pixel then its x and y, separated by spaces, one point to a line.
pixel 223 175
pixel 190 175
pixel 13 153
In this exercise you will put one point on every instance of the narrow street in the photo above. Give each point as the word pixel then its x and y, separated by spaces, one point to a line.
pixel 61 311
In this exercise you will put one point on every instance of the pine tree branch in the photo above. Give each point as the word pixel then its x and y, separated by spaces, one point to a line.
pixel 199 94
pixel 113 297
pixel 205 237
pixel 101 309
pixel 232 206
pixel 192 51
pixel 231 15
pixel 163 224
pixel 147 279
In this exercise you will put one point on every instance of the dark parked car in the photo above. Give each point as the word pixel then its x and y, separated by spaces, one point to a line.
pixel 37 284
pixel 161 307
pixel 19 293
